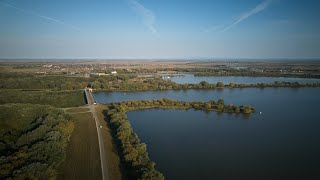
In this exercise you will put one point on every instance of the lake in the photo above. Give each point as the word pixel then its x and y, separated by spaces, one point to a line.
pixel 281 143
pixel 190 78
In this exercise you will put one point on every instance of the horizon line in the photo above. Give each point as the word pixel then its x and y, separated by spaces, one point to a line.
pixel 160 59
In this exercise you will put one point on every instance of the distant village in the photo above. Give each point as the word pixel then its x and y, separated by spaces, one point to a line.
pixel 87 69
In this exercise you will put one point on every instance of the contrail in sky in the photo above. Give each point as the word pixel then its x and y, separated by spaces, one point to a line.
pixel 41 16
pixel 260 7
pixel 146 14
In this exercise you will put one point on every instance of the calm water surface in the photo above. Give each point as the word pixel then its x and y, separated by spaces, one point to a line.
pixel 190 78
pixel 281 143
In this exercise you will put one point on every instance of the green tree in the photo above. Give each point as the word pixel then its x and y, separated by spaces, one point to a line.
pixel 220 84
pixel 232 85
pixel 204 83
pixel 221 101
pixel 207 105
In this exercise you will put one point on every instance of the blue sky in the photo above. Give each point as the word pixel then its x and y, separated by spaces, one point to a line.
pixel 159 29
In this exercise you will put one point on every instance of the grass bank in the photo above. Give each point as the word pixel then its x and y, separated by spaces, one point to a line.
pixel 82 156
pixel 115 169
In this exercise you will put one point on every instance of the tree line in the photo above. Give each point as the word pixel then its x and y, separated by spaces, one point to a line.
pixel 133 152
pixel 33 81
pixel 53 98
pixel 252 72
pixel 120 82
pixel 159 84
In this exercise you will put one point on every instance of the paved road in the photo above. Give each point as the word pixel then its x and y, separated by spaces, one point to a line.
pixel 103 160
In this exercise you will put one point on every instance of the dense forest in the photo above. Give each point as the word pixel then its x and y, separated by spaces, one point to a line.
pixel 33 81
pixel 132 151
pixel 33 139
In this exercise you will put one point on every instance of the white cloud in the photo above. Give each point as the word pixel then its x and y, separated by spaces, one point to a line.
pixel 260 7
pixel 146 14
pixel 41 16
pixel 222 28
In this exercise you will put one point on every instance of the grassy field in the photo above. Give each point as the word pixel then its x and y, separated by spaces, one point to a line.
pixel 113 161
pixel 83 156
pixel 52 98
